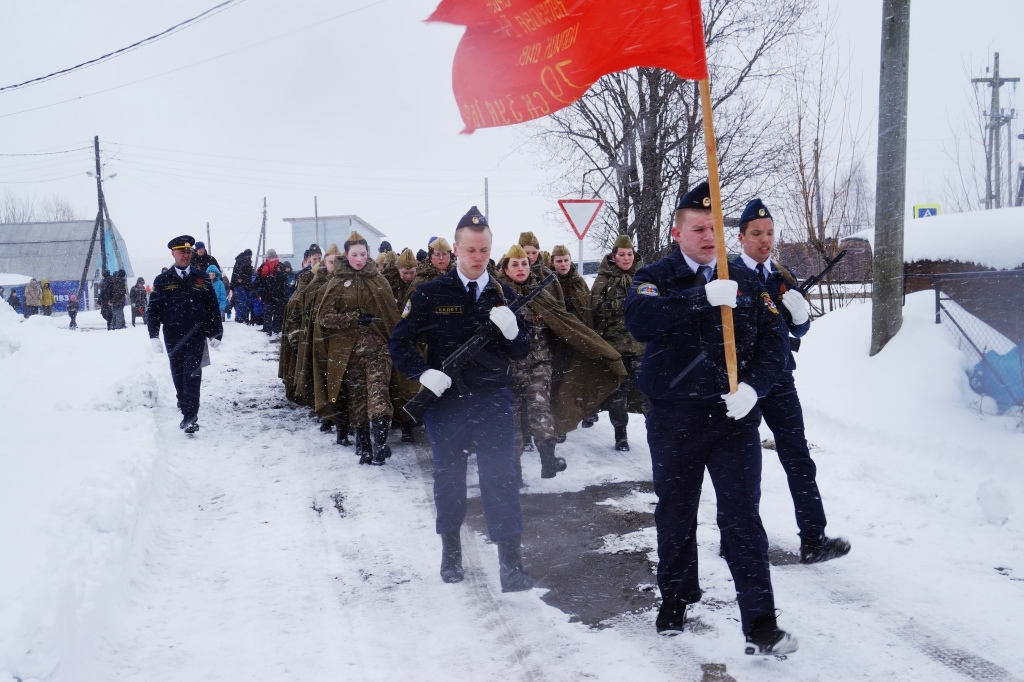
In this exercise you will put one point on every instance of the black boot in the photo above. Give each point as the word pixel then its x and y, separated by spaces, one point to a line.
pixel 325 426
pixel 621 442
pixel 343 438
pixel 671 617
pixel 381 449
pixel 814 550
pixel 560 438
pixel 451 558
pixel 363 448
pixel 510 566
pixel 408 435
pixel 589 421
pixel 549 464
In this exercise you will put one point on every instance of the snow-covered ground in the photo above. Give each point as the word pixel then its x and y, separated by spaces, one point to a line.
pixel 260 550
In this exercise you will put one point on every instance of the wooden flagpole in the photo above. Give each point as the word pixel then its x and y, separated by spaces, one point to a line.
pixel 718 221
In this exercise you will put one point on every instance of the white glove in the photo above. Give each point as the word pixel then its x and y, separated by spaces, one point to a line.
pixel 796 305
pixel 741 402
pixel 505 320
pixel 437 381
pixel 721 292
pixel 157 346
pixel 214 342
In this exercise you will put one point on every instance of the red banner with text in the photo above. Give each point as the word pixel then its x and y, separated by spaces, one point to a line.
pixel 523 59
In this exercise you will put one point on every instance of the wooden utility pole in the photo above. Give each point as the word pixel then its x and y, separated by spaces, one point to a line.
pixel 261 246
pixel 316 220
pixel 997 118
pixel 487 204
pixel 891 174
pixel 99 203
pixel 209 243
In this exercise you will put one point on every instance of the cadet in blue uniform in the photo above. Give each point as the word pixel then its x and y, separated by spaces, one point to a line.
pixel 183 301
pixel 781 407
pixel 477 415
pixel 692 425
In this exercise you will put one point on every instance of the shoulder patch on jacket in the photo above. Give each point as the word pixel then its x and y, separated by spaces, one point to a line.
pixel 647 289
pixel 769 303
pixel 407 309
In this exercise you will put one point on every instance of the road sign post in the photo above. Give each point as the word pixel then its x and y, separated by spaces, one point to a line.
pixel 580 214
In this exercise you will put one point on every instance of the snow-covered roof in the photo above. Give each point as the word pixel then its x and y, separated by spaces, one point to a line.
pixel 993 238
pixel 11 279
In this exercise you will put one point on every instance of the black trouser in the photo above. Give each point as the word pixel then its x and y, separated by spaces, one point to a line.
pixel 784 416
pixel 187 373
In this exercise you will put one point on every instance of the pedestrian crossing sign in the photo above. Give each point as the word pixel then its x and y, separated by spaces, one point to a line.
pixel 926 210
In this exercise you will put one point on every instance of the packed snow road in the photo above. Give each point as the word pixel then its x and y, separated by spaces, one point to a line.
pixel 260 549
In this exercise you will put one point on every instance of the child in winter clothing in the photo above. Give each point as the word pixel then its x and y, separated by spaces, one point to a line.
pixel 73 311
pixel 213 273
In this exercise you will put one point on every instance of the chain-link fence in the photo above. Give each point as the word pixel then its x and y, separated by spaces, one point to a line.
pixel 985 313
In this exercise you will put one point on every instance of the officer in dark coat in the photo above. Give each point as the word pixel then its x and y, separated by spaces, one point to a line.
pixel 476 414
pixel 183 301
pixel 695 423
pixel 781 407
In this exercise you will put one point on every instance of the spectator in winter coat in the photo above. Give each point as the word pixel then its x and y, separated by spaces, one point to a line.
pixel 15 301
pixel 33 298
pixel 138 300
pixel 73 311
pixel 272 289
pixel 46 299
pixel 202 259
pixel 241 285
pixel 116 289
pixel 213 274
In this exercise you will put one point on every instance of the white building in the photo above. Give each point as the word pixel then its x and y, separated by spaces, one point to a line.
pixel 329 229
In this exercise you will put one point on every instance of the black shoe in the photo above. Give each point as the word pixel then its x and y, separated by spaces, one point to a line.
pixel 549 464
pixel 189 424
pixel 560 438
pixel 770 642
pixel 363 447
pixel 326 426
pixel 823 548
pixel 381 449
pixel 671 618
pixel 451 558
pixel 343 437
pixel 621 442
pixel 589 421
pixel 408 434
pixel 510 566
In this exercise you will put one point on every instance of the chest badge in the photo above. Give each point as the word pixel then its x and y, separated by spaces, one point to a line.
pixel 348 283
pixel 769 303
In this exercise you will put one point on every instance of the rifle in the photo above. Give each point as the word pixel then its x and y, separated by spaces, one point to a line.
pixel 814 279
pixel 464 354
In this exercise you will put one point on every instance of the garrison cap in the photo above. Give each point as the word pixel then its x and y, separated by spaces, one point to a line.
pixel 473 218
pixel 699 198
pixel 755 209
pixel 315 248
pixel 185 241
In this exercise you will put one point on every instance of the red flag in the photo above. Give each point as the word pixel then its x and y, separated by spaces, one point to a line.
pixel 523 59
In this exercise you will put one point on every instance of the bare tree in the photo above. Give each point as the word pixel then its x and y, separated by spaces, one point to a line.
pixel 17 208
pixel 636 137
pixel 826 196
pixel 57 208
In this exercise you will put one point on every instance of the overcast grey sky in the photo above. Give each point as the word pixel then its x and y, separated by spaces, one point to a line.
pixel 349 100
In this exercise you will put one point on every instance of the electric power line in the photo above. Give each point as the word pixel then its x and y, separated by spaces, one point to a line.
pixel 134 46
pixel 64 151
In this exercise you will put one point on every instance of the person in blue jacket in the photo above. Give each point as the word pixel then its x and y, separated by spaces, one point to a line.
pixel 781 407
pixel 184 304
pixel 695 423
pixel 213 274
pixel 476 414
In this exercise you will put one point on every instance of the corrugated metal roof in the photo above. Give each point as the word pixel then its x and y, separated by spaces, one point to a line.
pixel 57 251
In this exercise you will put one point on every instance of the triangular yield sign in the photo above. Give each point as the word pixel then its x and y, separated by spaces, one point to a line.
pixel 581 213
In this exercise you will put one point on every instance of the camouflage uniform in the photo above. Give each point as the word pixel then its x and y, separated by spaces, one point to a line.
pixel 609 299
pixel 367 379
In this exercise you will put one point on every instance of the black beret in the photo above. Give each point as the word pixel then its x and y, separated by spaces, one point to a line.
pixel 473 218
pixel 755 209
pixel 185 241
pixel 699 198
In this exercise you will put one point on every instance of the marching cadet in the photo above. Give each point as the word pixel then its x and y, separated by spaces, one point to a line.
pixel 531 245
pixel 350 335
pixel 476 415
pixel 183 302
pixel 291 326
pixel 608 297
pixel 593 368
pixel 576 295
pixel 695 424
pixel 437 263
pixel 781 407
pixel 400 276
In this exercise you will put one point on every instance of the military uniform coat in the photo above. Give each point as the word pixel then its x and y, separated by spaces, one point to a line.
pixel 311 296
pixel 351 292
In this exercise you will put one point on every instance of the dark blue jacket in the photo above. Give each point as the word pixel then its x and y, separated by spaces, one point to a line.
pixel 440 313
pixel 187 309
pixel 667 308
pixel 776 286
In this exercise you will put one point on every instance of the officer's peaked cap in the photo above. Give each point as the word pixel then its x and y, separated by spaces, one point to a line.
pixel 185 241
pixel 755 209
pixel 699 198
